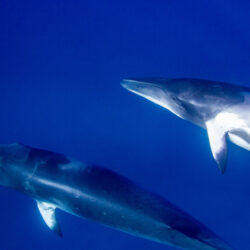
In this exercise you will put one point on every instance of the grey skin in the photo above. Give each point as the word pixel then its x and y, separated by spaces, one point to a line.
pixel 222 109
pixel 57 181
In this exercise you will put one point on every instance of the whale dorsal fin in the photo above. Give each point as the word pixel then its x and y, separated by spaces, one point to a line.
pixel 217 135
pixel 47 211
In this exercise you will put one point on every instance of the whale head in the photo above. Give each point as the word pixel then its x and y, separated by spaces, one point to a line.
pixel 158 92
pixel 12 158
pixel 190 99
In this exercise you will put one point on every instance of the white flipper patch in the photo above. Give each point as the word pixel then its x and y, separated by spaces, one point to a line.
pixel 47 211
pixel 218 143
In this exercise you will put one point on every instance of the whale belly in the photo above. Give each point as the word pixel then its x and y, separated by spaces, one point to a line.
pixel 239 141
pixel 233 123
pixel 239 133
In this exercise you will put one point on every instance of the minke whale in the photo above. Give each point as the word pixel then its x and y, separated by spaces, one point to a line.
pixel 54 181
pixel 221 108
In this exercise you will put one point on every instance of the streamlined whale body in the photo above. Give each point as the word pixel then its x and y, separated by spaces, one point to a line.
pixel 222 109
pixel 57 181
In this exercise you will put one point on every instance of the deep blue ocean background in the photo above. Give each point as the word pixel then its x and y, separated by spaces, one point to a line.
pixel 61 63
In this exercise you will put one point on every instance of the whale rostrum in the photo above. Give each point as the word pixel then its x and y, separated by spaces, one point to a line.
pixel 56 181
pixel 221 108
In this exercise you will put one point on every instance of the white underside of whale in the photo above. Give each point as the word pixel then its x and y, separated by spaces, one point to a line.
pixel 233 123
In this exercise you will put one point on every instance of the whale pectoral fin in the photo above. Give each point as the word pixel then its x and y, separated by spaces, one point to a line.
pixel 47 211
pixel 218 144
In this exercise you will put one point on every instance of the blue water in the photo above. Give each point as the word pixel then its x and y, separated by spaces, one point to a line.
pixel 60 67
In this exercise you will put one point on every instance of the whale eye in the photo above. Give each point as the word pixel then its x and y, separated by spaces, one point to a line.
pixel 174 98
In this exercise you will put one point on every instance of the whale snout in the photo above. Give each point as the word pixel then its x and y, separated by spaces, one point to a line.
pixel 143 88
pixel 125 83
pixel 133 85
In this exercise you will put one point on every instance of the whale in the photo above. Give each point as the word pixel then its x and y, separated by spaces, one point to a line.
pixel 56 181
pixel 223 109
